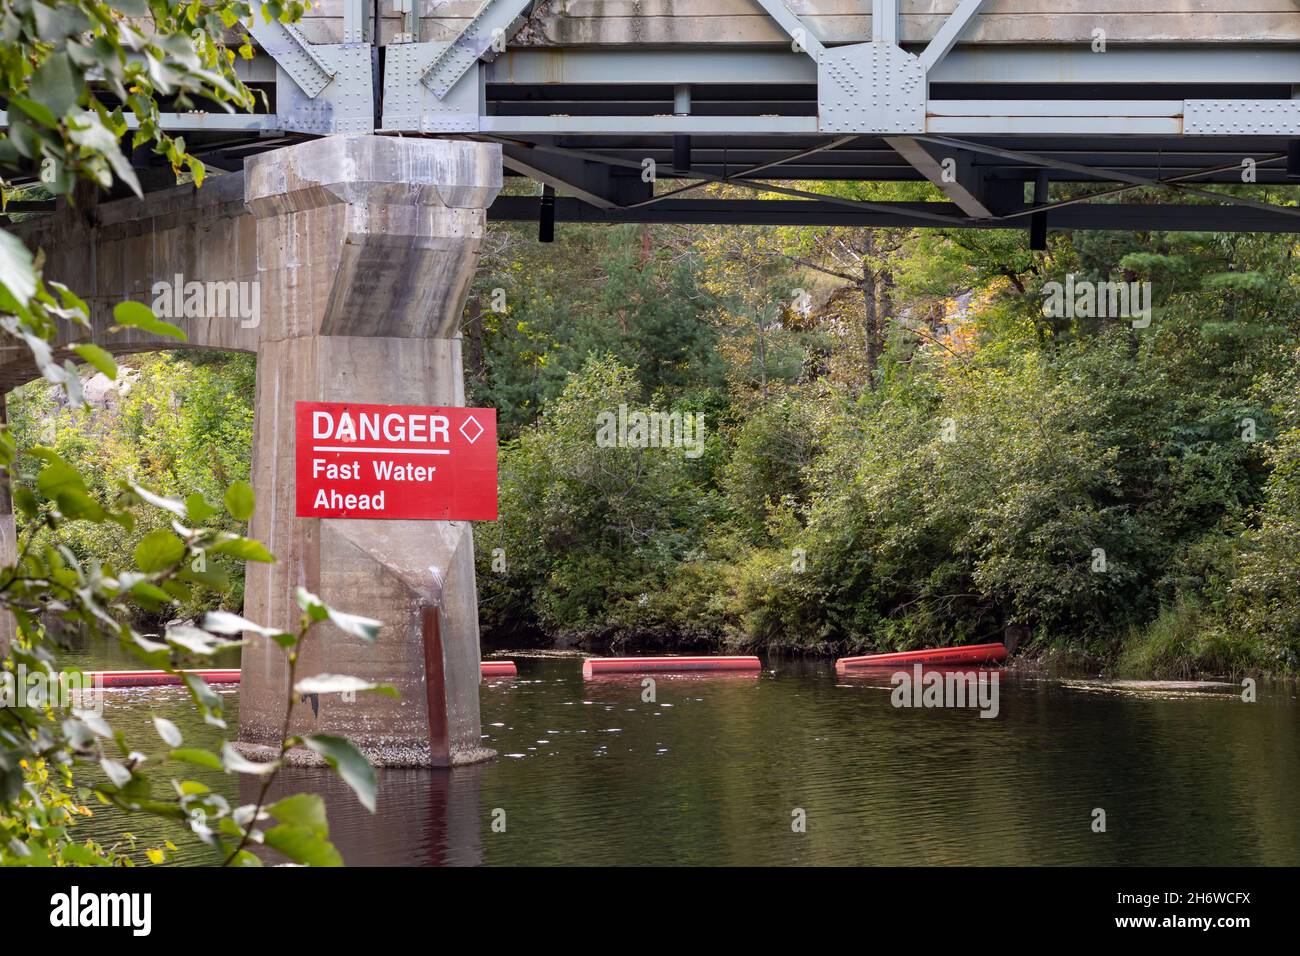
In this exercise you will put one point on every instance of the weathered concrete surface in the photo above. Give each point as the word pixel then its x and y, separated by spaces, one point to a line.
pixel 111 252
pixel 365 250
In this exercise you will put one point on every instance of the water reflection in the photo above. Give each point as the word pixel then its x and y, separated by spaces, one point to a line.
pixel 712 768
pixel 423 818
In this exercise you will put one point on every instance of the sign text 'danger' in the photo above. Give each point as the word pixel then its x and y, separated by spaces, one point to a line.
pixel 395 461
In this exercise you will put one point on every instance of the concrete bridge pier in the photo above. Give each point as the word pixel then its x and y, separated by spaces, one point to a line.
pixel 366 247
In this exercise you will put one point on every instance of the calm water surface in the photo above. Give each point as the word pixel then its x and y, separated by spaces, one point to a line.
pixel 712 771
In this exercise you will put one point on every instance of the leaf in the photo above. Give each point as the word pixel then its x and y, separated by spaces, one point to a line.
pixel 197 641
pixel 168 731
pixel 244 858
pixel 303 846
pixel 155 856
pixel 138 316
pixel 55 85
pixel 198 509
pixel 198 757
pixel 174 505
pixel 213 577
pixel 56 476
pixel 26 501
pixel 78 854
pixel 178 590
pixel 235 762
pixel 116 772
pixel 303 810
pixel 97 357
pixel 341 684
pixel 239 500
pixel 363 627
pixel 17 272
pixel 246 549
pixel 157 550
pixel 34 110
pixel 154 653
pixel 77 504
pixel 71 301
pixel 86 128
pixel 209 701
pixel 150 595
pixel 223 622
pixel 349 763
pixel 311 605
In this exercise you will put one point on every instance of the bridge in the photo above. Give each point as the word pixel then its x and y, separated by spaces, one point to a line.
pixel 395 130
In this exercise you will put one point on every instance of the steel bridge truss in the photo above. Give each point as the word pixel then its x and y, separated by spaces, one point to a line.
pixel 993 127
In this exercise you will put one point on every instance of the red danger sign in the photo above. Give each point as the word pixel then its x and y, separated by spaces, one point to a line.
pixel 395 461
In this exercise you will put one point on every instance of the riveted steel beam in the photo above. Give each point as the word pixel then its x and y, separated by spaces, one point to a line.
pixel 948 34
pixel 482 38
pixel 801 37
pixel 295 55
pixel 1241 117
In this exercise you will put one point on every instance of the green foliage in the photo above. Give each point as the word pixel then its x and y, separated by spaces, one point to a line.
pixel 1184 641
pixel 592 537
pixel 1076 479
pixel 1266 588
pixel 39 739
pixel 99 548
pixel 181 427
pixel 536 313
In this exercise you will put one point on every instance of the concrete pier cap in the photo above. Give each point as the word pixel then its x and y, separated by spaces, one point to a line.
pixel 366 247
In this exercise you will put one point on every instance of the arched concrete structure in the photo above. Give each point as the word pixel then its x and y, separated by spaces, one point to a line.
pixel 363 248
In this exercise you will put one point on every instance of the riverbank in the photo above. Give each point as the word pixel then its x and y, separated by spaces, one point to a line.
pixel 1175 647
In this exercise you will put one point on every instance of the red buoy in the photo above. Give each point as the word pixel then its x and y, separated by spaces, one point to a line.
pixel 971 654
pixel 160 678
pixel 498 669
pixel 639 665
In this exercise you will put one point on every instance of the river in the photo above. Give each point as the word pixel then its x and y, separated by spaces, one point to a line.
pixel 723 769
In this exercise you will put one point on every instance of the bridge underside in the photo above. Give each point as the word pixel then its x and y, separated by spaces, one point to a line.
pixel 1063 113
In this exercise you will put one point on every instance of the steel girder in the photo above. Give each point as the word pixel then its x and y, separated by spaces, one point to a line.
pixel 778 212
pixel 975 120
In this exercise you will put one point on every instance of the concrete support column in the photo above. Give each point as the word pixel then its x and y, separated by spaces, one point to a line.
pixel 366 247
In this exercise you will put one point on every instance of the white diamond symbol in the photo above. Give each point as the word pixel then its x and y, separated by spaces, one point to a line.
pixel 465 429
